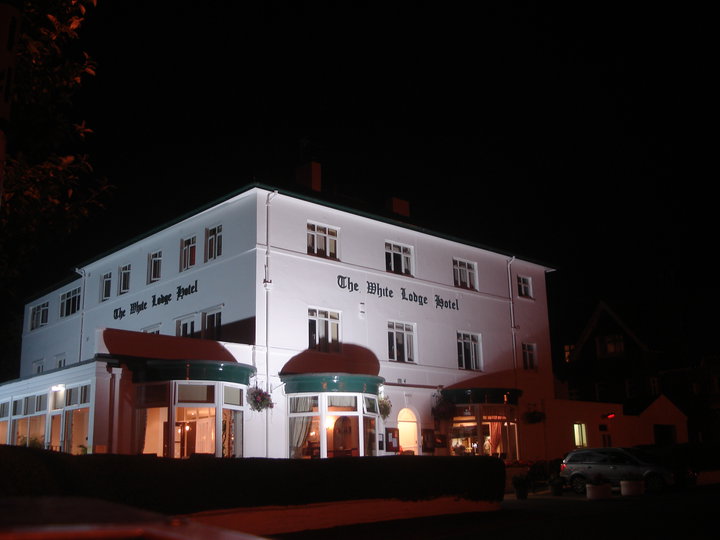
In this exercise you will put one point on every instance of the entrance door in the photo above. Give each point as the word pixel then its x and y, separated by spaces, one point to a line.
pixel 408 431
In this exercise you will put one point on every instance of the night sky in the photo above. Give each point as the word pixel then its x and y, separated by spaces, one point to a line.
pixel 556 133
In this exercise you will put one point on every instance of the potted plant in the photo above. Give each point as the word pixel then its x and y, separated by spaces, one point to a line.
pixel 598 488
pixel 632 484
pixel 521 485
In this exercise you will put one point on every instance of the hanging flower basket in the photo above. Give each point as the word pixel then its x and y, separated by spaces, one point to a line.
pixel 385 406
pixel 259 399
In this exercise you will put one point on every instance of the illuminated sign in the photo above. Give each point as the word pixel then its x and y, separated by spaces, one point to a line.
pixel 374 288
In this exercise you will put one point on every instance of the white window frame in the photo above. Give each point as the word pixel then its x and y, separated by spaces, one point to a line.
pixel 39 315
pixel 152 329
pixel 188 252
pixel 105 286
pixel 580 435
pixel 185 326
pixel 465 274
pixel 525 287
pixel 70 302
pixel 469 346
pixel 324 327
pixel 529 356
pixel 322 240
pixel 154 269
pixel 402 335
pixel 38 366
pixel 124 273
pixel 214 315
pixel 213 243
pixel 399 258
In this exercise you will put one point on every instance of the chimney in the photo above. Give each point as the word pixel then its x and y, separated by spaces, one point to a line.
pixel 399 206
pixel 310 176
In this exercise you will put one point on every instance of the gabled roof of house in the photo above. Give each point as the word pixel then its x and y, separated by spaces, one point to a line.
pixel 603 309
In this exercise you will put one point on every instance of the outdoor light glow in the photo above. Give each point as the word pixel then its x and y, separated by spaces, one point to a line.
pixel 57 387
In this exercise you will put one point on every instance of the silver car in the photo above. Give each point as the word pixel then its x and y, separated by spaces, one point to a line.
pixel 587 465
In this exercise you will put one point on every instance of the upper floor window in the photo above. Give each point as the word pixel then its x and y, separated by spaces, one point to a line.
pixel 185 326
pixel 610 345
pixel 38 366
pixel 401 341
pixel 39 315
pixel 187 253
pixel 322 240
pixel 124 279
pixel 211 324
pixel 464 274
pixel 213 243
pixel 398 258
pixel 105 286
pixel 525 287
pixel 529 354
pixel 154 266
pixel 323 330
pixel 69 302
pixel 469 351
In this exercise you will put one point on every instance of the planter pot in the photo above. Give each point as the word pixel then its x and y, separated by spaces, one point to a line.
pixel 632 487
pixel 601 491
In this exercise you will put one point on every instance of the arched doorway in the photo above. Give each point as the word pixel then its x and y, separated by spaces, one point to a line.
pixel 408 431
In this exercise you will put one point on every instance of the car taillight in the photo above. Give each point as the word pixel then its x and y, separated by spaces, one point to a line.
pixel 563 466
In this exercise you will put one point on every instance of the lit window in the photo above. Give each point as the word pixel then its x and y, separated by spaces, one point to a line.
pixel 154 266
pixel 323 330
pixel 398 258
pixel 187 253
pixel 70 302
pixel 469 353
pixel 464 274
pixel 124 279
pixel 105 286
pixel 39 315
pixel 322 241
pixel 611 345
pixel 525 287
pixel 213 243
pixel 580 435
pixel 529 354
pixel 401 342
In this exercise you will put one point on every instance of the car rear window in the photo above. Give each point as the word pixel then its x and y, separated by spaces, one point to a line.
pixel 586 457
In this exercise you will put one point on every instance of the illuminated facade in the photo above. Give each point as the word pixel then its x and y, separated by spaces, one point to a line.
pixel 162 345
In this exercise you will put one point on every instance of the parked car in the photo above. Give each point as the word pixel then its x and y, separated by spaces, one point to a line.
pixel 585 465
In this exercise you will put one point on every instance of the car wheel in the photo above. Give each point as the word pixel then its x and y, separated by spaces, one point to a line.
pixel 578 484
pixel 654 483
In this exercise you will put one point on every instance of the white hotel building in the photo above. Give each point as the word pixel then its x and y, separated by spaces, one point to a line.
pixel 153 346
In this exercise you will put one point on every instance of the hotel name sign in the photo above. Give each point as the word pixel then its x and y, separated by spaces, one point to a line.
pixel 156 300
pixel 374 288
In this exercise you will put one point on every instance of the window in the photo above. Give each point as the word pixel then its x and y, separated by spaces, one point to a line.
pixel 124 279
pixel 580 435
pixel 69 302
pixel 153 329
pixel 211 324
pixel 105 286
pixel 38 366
pixel 529 354
pixel 323 330
pixel 398 258
pixel 185 327
pixel 322 241
pixel 213 243
pixel 187 253
pixel 154 266
pixel 464 274
pixel 610 345
pixel 60 361
pixel 469 353
pixel 39 315
pixel 401 341
pixel 525 287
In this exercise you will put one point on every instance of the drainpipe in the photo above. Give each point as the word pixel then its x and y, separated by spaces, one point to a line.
pixel 83 274
pixel 267 283
pixel 513 325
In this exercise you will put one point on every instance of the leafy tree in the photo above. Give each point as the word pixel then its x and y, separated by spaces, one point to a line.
pixel 49 183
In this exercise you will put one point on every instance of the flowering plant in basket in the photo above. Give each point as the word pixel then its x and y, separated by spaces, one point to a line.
pixel 259 399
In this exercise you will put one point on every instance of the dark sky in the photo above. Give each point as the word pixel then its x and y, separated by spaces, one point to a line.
pixel 558 132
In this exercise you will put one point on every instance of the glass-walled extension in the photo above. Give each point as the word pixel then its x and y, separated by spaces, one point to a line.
pixel 183 418
pixel 489 430
pixel 332 425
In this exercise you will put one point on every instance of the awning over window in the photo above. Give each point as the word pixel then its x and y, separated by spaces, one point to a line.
pixel 487 388
pixel 155 357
